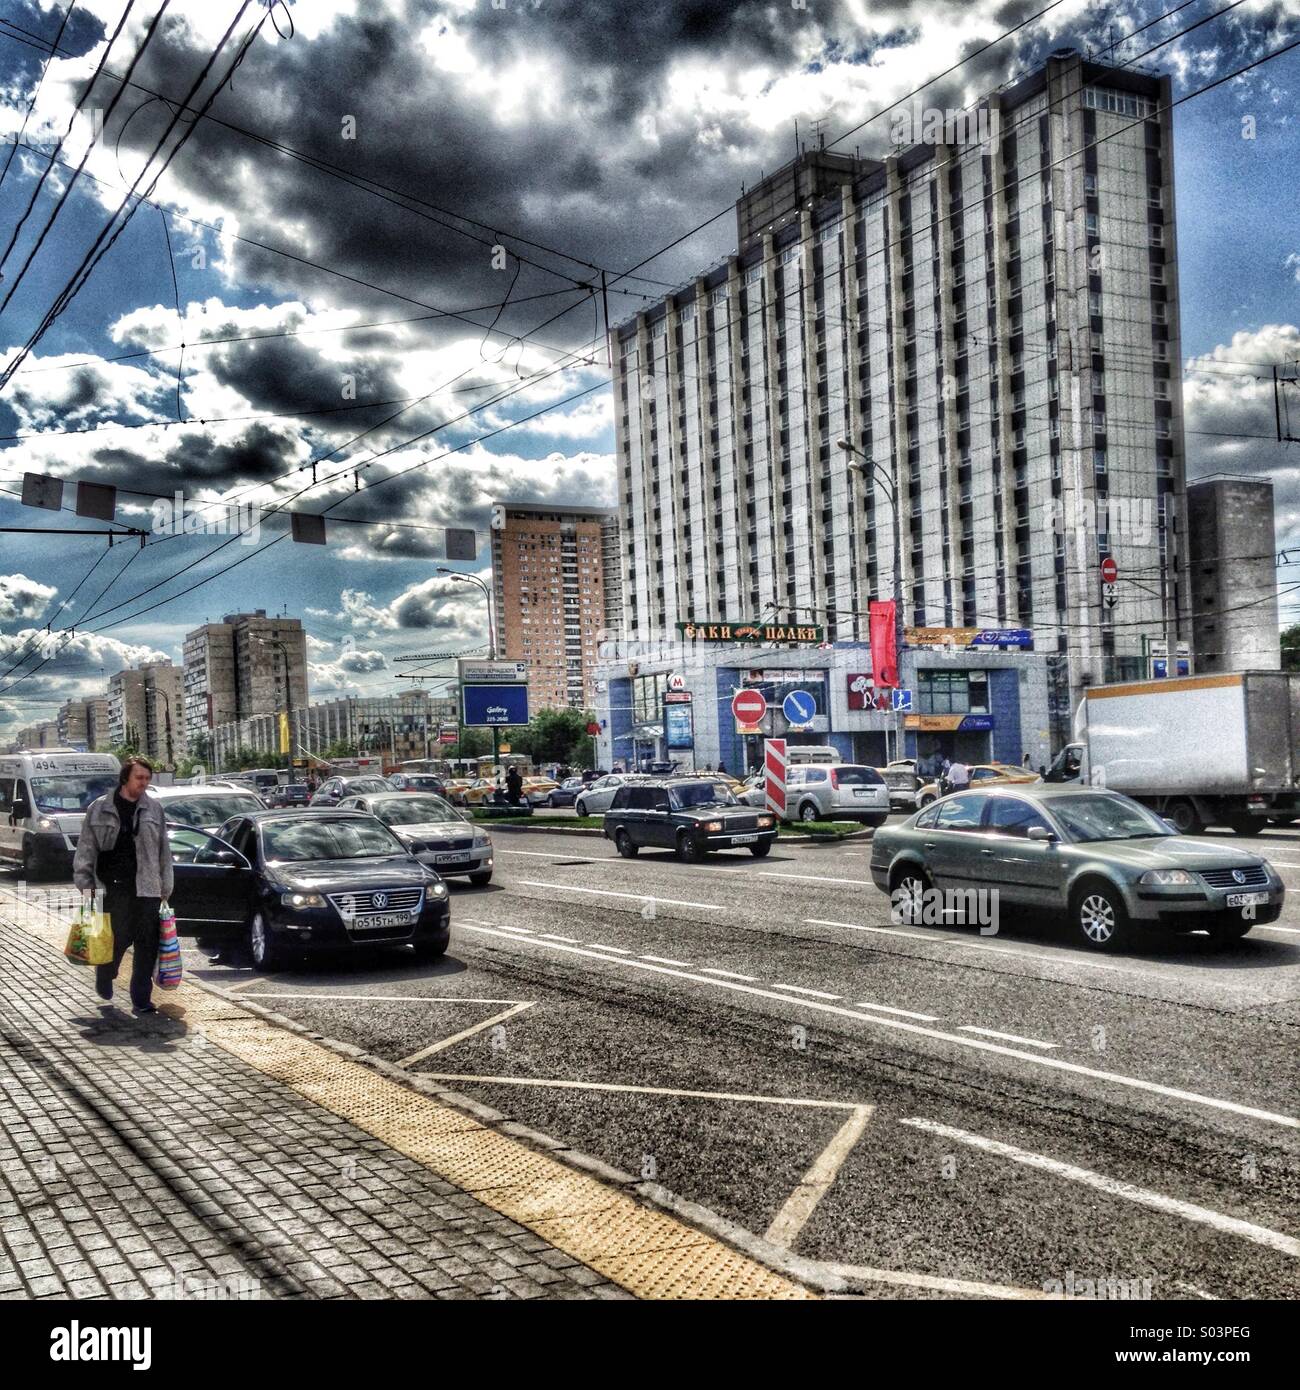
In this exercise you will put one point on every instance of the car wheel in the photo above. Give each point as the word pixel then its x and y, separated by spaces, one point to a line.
pixel 623 843
pixel 580 807
pixel 874 822
pixel 923 801
pixel 551 802
pixel 430 950
pixel 1185 816
pixel 1243 825
pixel 1098 914
pixel 481 880
pixel 688 851
pixel 760 851
pixel 907 896
pixel 264 951
pixel 809 812
pixel 32 866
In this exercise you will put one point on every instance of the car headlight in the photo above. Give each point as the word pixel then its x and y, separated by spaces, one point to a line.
pixel 764 822
pixel 482 842
pixel 302 900
pixel 437 890
pixel 45 823
pixel 1166 878
pixel 712 827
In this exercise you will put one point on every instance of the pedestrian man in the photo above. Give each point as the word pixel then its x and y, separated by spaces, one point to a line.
pixel 1025 763
pixel 958 776
pixel 123 850
pixel 514 786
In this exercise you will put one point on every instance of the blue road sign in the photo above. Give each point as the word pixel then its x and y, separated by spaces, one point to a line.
pixel 902 701
pixel 799 707
pixel 487 706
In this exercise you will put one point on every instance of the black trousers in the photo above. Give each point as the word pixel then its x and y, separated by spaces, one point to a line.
pixel 135 925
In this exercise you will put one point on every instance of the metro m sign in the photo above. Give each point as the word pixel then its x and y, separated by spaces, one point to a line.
pixel 774 770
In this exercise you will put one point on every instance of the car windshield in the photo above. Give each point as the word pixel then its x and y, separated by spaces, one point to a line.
pixel 1106 817
pixel 208 810
pixel 422 783
pixel 72 793
pixel 414 810
pixel 296 840
pixel 700 794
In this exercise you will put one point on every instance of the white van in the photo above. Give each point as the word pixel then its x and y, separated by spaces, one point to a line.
pixel 43 796
pixel 798 754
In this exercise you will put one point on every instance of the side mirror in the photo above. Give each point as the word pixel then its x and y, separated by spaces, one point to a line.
pixel 227 856
pixel 1040 832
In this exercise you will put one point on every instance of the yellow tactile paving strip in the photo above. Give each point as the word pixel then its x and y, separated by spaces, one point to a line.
pixel 648 1252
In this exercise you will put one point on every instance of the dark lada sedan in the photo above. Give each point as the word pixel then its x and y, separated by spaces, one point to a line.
pixel 300 880
pixel 1103 860
pixel 691 816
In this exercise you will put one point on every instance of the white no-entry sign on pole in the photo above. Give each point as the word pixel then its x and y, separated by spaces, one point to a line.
pixel 774 768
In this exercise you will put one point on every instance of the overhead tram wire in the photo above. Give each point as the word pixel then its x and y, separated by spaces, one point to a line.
pixel 384 191
pixel 66 191
pixel 105 241
pixel 36 92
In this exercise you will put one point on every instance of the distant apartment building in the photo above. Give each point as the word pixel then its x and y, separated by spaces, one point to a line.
pixel 555 580
pixel 992 325
pixel 398 728
pixel 43 734
pixel 1233 574
pixel 145 709
pixel 83 723
pixel 245 665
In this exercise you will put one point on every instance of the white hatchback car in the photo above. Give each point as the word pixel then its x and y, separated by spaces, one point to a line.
pixel 838 791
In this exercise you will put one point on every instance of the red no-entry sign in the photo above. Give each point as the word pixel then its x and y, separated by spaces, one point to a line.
pixel 1109 570
pixel 748 706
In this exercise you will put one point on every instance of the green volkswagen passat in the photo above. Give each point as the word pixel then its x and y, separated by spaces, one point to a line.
pixel 1100 858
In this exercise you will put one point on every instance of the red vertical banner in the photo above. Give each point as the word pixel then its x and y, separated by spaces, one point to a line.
pixel 884 655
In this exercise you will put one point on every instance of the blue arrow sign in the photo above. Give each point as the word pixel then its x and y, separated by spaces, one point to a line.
pixel 799 707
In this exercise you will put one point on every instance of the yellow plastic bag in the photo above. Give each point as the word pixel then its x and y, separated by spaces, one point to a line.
pixel 90 938
pixel 99 934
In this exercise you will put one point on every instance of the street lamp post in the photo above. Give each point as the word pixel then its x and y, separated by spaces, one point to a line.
pixel 492 644
pixel 867 467
pixel 153 690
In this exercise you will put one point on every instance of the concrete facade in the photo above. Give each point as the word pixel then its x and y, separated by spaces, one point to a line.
pixel 145 707
pixel 551 572
pixel 83 723
pixel 995 325
pixel 395 725
pixel 235 669
pixel 1234 574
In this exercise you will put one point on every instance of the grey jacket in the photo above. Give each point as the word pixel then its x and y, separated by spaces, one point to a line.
pixel 153 855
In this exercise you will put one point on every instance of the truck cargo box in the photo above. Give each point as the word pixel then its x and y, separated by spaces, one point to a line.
pixel 1210 735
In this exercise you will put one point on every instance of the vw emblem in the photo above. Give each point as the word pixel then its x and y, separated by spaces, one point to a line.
pixel 380 900
pixel 1239 875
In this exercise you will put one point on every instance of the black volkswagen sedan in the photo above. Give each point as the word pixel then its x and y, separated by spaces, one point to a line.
pixel 689 815
pixel 303 880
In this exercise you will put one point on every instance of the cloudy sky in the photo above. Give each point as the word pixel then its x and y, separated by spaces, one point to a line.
pixel 378 249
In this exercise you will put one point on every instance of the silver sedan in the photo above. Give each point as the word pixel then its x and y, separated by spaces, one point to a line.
pixel 1106 862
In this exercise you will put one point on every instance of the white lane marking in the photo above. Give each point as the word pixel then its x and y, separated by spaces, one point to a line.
pixel 865 1274
pixel 803 1201
pixel 904 1013
pixel 884 931
pixel 391 998
pixel 1143 1196
pixel 799 989
pixel 552 854
pixel 618 950
pixel 938 940
pixel 610 893
pixel 728 974
pixel 665 960
pixel 570 940
pixel 566 1085
pixel 1192 1289
pixel 464 1033
pixel 821 878
pixel 1268 926
pixel 1036 1058
pixel 1006 1037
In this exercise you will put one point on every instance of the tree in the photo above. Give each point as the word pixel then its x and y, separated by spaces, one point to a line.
pixel 340 748
pixel 555 736
pixel 1291 647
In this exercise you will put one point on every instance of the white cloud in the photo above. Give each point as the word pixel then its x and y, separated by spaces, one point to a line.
pixel 21 597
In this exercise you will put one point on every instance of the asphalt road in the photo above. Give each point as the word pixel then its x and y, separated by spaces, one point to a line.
pixel 929 1107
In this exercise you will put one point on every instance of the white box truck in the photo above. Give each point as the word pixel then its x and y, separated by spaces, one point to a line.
pixel 1199 750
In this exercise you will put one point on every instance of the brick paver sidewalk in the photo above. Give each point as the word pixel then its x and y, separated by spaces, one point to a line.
pixel 138 1159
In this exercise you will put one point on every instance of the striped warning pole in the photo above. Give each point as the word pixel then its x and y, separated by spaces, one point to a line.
pixel 774 765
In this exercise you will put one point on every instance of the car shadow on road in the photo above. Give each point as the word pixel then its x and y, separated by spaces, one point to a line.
pixel 229 965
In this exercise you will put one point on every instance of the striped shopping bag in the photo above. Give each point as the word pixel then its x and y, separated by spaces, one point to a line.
pixel 169 949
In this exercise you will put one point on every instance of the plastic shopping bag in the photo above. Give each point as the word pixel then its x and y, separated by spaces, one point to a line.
pixel 169 949
pixel 90 938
